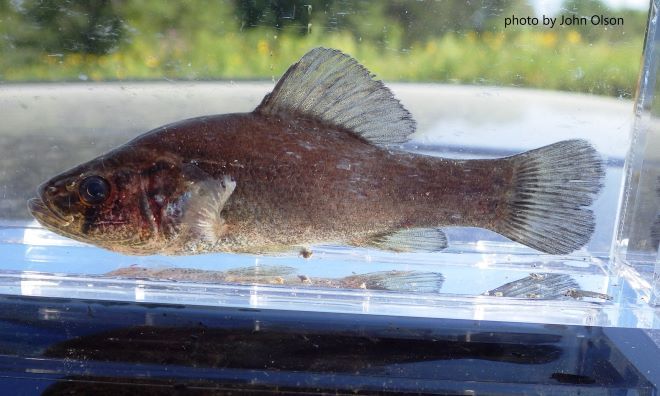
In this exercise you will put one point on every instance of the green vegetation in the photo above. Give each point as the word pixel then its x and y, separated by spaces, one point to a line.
pixel 48 40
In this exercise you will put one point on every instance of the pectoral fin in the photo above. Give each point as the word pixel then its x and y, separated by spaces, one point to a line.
pixel 410 240
pixel 203 205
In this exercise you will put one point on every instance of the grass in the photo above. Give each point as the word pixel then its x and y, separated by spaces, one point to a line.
pixel 556 60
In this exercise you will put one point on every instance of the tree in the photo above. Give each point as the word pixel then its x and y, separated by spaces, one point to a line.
pixel 80 26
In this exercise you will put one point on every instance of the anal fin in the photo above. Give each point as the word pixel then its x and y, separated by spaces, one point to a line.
pixel 410 240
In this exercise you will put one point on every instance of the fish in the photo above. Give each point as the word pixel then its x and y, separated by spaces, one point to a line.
pixel 279 275
pixel 320 160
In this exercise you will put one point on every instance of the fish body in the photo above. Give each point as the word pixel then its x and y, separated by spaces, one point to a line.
pixel 298 187
pixel 316 162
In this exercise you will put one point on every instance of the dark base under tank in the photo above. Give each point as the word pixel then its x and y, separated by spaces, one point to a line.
pixel 64 347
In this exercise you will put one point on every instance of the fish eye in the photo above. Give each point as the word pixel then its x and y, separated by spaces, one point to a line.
pixel 93 190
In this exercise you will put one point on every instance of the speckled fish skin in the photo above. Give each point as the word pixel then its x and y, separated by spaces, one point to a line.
pixel 294 187
pixel 306 167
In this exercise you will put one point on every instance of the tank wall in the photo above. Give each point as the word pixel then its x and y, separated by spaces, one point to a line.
pixel 636 244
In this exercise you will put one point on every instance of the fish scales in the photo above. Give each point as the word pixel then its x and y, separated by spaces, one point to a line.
pixel 293 189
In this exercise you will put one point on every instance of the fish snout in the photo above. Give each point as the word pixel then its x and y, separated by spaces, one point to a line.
pixel 45 191
pixel 58 198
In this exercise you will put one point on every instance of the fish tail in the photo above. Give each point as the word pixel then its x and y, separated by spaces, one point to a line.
pixel 552 187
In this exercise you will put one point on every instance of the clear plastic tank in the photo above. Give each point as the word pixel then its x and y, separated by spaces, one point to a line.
pixel 50 123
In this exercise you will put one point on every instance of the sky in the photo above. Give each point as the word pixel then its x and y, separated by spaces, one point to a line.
pixel 552 6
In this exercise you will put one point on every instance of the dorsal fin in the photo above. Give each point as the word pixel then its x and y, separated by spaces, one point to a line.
pixel 331 86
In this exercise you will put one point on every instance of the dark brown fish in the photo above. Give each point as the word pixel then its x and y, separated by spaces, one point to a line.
pixel 316 162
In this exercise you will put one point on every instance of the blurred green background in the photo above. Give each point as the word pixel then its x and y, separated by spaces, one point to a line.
pixel 421 41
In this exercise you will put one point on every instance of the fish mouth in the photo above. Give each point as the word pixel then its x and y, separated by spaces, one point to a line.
pixel 47 215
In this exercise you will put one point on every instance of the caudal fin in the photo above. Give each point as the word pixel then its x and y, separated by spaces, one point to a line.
pixel 552 187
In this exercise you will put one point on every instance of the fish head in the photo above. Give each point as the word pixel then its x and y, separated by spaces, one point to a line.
pixel 116 201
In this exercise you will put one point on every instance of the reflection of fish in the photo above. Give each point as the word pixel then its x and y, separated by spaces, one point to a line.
pixel 314 163
pixel 299 348
pixel 305 359
pixel 545 287
pixel 402 281
pixel 567 378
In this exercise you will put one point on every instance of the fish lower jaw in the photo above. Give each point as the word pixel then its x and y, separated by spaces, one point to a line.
pixel 46 216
